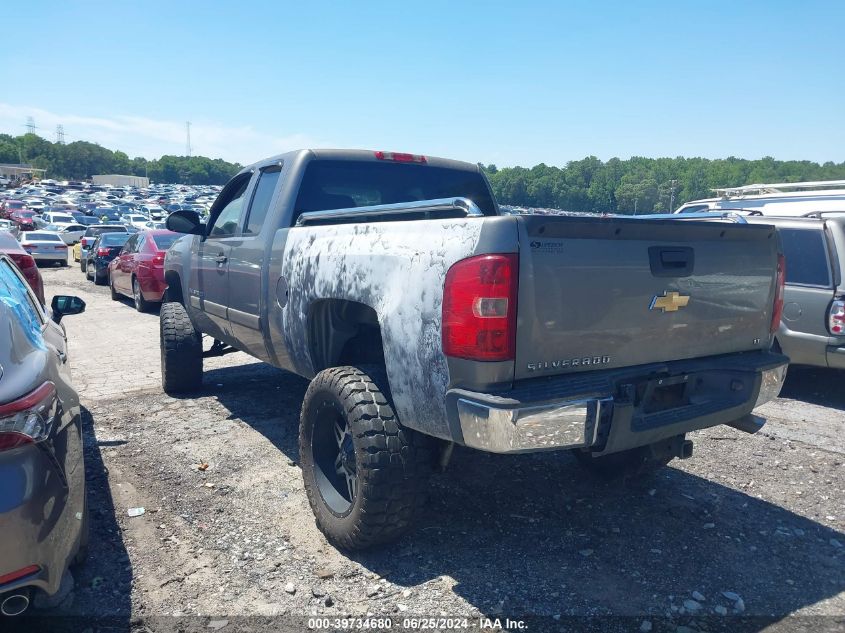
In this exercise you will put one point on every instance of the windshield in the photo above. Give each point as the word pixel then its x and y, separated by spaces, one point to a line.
pixel 35 236
pixel 165 240
pixel 114 239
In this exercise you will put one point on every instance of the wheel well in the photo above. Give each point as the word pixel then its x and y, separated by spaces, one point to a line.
pixel 174 287
pixel 343 332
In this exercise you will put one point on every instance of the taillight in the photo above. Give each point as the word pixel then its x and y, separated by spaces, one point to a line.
pixel 22 261
pixel 836 318
pixel 28 419
pixel 399 157
pixel 102 252
pixel 777 308
pixel 479 308
pixel 158 259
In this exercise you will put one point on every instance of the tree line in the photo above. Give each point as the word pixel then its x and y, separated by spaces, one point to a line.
pixel 642 185
pixel 80 160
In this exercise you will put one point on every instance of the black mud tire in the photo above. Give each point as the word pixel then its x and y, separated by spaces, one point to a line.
pixel 115 296
pixel 141 304
pixel 392 463
pixel 181 351
pixel 635 463
pixel 100 280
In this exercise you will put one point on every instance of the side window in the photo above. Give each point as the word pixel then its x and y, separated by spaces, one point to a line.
pixel 262 197
pixel 226 222
pixel 806 257
pixel 15 293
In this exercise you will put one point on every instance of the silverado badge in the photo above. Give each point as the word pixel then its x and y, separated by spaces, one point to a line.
pixel 669 302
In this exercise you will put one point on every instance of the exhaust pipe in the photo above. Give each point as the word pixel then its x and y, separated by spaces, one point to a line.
pixel 749 423
pixel 15 602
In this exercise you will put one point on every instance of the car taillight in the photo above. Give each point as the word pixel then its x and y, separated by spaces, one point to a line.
pixel 158 259
pixel 28 419
pixel 777 308
pixel 22 261
pixel 479 308
pixel 836 317
pixel 399 157
pixel 102 252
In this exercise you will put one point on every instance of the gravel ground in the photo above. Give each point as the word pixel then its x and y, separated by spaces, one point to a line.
pixel 751 526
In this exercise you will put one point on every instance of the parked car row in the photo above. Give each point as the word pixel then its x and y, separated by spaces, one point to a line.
pixel 131 264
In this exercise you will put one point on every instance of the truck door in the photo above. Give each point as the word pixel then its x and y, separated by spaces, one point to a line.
pixel 209 284
pixel 247 265
pixel 803 334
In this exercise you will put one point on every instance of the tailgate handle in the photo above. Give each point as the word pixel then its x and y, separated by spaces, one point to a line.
pixel 671 261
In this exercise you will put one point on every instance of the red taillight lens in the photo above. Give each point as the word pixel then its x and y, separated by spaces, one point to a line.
pixel 479 308
pixel 22 261
pixel 28 419
pixel 836 317
pixel 399 157
pixel 158 259
pixel 777 309
pixel 102 252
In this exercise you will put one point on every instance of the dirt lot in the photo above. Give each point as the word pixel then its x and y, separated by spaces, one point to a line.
pixel 750 526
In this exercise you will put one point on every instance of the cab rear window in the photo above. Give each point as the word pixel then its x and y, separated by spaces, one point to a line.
pixel 807 261
pixel 340 184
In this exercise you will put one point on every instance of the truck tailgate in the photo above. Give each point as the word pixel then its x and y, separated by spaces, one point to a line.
pixel 601 293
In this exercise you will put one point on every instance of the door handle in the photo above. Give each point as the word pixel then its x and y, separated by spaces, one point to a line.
pixel 221 259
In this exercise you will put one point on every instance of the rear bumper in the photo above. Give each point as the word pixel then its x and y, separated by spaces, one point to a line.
pixel 610 411
pixel 42 517
pixel 58 256
pixel 152 285
pixel 836 357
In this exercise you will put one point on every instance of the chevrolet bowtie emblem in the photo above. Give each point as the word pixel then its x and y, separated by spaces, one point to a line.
pixel 669 302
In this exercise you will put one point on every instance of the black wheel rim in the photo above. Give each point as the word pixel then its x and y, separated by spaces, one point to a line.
pixel 335 468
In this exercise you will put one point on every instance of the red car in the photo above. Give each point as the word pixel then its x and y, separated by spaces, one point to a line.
pixel 7 207
pixel 24 219
pixel 138 271
pixel 24 261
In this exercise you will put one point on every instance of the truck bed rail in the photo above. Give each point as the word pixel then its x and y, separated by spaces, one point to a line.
pixel 439 206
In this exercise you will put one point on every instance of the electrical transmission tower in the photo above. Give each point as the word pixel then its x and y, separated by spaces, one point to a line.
pixel 188 139
pixel 60 134
pixel 30 125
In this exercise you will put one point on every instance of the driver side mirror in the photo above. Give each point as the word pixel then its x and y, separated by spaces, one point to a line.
pixel 66 304
pixel 185 222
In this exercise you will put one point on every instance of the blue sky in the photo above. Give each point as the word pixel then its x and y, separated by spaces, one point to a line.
pixel 497 82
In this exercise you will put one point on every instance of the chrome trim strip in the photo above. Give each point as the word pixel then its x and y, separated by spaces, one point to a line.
pixel 214 309
pixel 557 425
pixel 244 318
pixel 439 205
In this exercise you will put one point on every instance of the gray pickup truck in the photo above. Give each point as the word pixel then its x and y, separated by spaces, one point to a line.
pixel 426 318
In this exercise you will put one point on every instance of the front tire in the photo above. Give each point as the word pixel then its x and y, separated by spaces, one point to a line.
pixel 82 266
pixel 364 473
pixel 181 350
